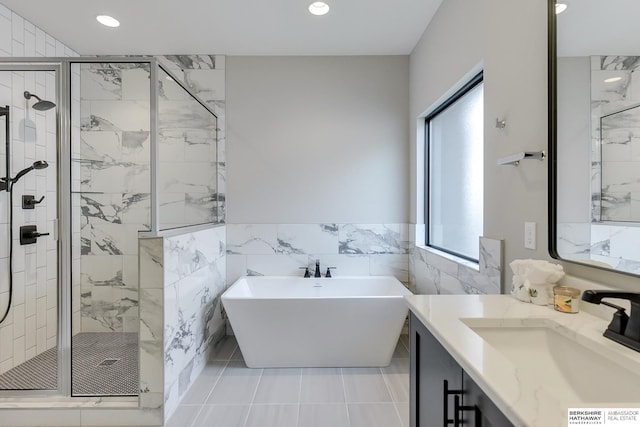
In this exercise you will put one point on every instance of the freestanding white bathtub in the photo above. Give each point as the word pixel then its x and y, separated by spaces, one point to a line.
pixel 297 322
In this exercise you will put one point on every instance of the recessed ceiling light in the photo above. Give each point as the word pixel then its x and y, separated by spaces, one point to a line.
pixel 560 7
pixel 612 79
pixel 108 21
pixel 319 8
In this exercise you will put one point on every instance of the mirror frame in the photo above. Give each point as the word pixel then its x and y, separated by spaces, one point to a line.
pixel 552 148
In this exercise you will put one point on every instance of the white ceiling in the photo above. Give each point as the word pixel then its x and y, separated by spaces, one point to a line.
pixel 599 27
pixel 232 27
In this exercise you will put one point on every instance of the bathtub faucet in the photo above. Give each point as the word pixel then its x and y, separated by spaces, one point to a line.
pixel 316 274
pixel 307 273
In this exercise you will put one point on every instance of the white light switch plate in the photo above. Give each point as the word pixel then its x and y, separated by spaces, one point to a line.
pixel 530 235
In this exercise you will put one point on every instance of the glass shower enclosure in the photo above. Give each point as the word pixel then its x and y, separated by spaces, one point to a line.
pixel 130 150
pixel 30 330
pixel 619 165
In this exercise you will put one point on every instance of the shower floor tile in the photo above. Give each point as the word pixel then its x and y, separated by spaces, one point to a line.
pixel 103 364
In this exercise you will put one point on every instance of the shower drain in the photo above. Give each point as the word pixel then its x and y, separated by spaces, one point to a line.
pixel 108 362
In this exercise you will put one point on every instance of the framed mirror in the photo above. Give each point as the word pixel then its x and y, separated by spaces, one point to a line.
pixel 594 133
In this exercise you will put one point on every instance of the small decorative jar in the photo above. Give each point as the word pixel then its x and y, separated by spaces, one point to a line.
pixel 566 299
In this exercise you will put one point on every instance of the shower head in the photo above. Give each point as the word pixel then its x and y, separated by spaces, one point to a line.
pixel 41 105
pixel 38 164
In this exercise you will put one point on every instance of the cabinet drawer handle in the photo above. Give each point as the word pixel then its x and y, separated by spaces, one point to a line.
pixel 458 409
pixel 446 393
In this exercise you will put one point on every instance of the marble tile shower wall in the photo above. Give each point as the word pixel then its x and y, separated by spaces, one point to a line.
pixel 113 193
pixel 195 264
pixel 354 249
pixel 204 75
pixel 615 132
pixel 615 155
pixel 76 228
pixel 187 151
pixel 182 278
pixel 113 164
pixel 432 272
pixel 31 326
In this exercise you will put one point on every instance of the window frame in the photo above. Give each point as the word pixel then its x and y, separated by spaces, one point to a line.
pixel 460 93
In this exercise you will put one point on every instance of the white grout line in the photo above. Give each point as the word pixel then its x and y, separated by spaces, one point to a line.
pixel 395 406
pixel 200 409
pixel 299 397
pixel 253 398
pixel 344 393
pixel 226 364
pixel 255 392
pixel 393 400
pixel 404 345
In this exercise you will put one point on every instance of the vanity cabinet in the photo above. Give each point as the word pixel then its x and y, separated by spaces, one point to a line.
pixel 441 393
pixel 488 413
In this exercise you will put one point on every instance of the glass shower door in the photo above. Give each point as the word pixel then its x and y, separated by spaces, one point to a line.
pixel 29 291
pixel 110 128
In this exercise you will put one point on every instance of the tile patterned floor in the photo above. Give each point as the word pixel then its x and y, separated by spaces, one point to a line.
pixel 228 394
pixel 88 350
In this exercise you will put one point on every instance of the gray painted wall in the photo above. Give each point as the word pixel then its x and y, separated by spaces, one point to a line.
pixel 509 40
pixel 318 139
pixel 574 111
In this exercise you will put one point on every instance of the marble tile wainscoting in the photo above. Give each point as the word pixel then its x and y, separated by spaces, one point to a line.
pixel 610 243
pixel 354 249
pixel 434 272
pixel 182 277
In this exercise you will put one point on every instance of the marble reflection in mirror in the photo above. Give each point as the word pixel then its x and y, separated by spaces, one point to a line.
pixel 597 209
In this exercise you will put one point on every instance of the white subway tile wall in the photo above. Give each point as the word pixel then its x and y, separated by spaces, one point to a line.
pixel 31 327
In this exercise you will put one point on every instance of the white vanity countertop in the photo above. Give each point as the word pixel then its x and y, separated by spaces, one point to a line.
pixel 524 398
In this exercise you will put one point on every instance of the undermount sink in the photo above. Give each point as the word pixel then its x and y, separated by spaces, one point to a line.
pixel 559 361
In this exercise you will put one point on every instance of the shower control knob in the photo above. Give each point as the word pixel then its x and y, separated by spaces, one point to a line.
pixel 30 202
pixel 29 234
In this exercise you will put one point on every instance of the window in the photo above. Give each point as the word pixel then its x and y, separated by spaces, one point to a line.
pixel 454 149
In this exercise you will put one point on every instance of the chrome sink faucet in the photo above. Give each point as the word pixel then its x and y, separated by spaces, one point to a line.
pixel 623 329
